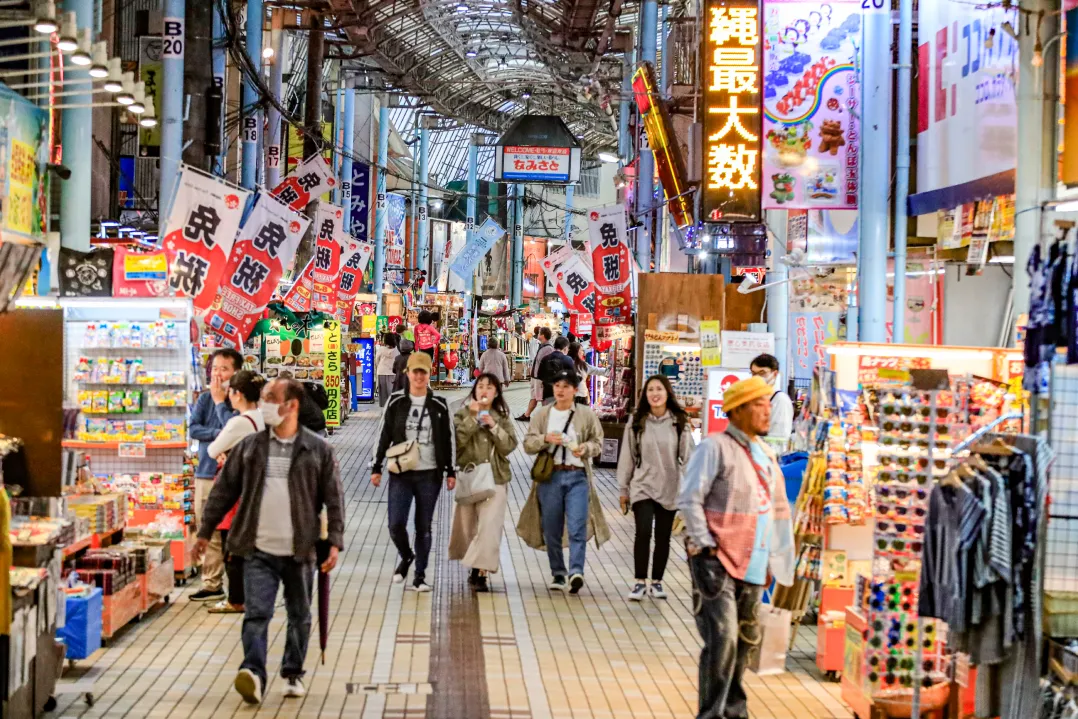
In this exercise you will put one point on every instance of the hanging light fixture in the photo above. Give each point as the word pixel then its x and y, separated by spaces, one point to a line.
pixel 69 34
pixel 127 94
pixel 608 157
pixel 81 56
pixel 115 81
pixel 470 52
pixel 526 95
pixel 139 105
pixel 148 118
pixel 462 8
pixel 99 69
pixel 45 18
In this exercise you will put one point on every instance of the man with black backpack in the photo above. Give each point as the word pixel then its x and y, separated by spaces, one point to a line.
pixel 553 364
pixel 545 348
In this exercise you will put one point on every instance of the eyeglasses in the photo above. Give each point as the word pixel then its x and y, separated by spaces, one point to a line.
pixel 904 442
pixel 941 412
pixel 891 425
pixel 895 408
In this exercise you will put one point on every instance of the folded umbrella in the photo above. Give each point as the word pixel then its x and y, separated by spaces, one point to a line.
pixel 321 548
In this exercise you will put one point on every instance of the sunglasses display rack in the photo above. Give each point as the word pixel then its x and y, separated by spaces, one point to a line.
pixel 902 651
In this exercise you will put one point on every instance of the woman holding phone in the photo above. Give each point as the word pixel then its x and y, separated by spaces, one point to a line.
pixel 649 467
pixel 484 432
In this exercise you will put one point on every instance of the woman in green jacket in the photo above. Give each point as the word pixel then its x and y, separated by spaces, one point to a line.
pixel 485 433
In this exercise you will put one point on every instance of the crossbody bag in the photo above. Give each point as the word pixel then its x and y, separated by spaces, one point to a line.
pixel 544 461
pixel 404 456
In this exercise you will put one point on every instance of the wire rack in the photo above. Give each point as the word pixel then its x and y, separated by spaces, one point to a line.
pixel 1061 550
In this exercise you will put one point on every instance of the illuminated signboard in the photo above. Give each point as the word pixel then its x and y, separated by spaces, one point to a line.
pixel 663 144
pixel 733 121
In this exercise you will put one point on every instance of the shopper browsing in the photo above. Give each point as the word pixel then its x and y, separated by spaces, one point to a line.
pixel 485 435
pixel 244 390
pixel 653 452
pixel 286 475
pixel 585 370
pixel 426 336
pixel 571 435
pixel 766 367
pixel 384 356
pixel 739 536
pixel 495 362
pixel 209 416
pixel 541 352
pixel 415 433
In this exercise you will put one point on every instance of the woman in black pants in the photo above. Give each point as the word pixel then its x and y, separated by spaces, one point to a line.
pixel 653 451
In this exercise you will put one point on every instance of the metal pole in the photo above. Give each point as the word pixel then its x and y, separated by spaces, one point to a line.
pixel 625 149
pixel 198 79
pixel 338 120
pixel 875 174
pixel 518 247
pixel 645 194
pixel 568 236
pixel 469 220
pixel 380 219
pixel 424 179
pixel 252 118
pixel 661 229
pixel 218 55
pixel 902 164
pixel 778 295
pixel 312 108
pixel 273 117
pixel 347 146
pixel 77 142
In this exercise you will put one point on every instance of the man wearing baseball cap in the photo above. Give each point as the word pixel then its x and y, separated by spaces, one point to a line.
pixel 739 535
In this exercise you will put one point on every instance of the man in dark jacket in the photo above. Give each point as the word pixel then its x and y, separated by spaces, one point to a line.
pixel 415 414
pixel 554 364
pixel 400 363
pixel 285 476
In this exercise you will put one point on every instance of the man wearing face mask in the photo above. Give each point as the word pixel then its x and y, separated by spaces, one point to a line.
pixel 285 475
pixel 766 367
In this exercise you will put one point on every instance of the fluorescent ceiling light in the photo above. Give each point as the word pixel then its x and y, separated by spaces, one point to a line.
pixel 607 157
pixel 1002 260
pixel 45 19
pixel 69 35
pixel 1068 206
pixel 100 67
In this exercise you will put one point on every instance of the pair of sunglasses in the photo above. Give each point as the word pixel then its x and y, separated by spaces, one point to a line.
pixel 900 527
pixel 889 440
pixel 888 460
pixel 903 477
pixel 899 510
pixel 900 492
pixel 899 545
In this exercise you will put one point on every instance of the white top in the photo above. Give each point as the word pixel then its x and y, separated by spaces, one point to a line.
pixel 556 423
pixel 533 347
pixel 236 429
pixel 427 458
pixel 274 534
pixel 589 371
pixel 782 417
pixel 383 360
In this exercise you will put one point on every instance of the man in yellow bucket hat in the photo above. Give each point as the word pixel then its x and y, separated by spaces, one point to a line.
pixel 739 536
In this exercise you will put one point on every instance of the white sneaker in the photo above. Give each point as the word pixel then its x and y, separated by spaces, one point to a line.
pixel 638 591
pixel 420 584
pixel 657 590
pixel 294 688
pixel 249 686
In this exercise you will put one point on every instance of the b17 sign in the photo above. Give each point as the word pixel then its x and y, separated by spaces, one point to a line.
pixel 354 260
pixel 611 265
pixel 199 233
pixel 267 243
pixel 316 287
pixel 312 179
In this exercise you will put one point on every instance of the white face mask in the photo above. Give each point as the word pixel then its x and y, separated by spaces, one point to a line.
pixel 271 413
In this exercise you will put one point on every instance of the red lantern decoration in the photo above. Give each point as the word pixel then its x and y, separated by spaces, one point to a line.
pixel 449 359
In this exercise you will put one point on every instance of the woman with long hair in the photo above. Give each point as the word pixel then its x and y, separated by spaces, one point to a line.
pixel 244 391
pixel 652 453
pixel 384 355
pixel 584 370
pixel 485 433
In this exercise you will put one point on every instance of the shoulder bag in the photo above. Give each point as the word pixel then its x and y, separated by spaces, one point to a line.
pixel 475 482
pixel 404 456
pixel 544 461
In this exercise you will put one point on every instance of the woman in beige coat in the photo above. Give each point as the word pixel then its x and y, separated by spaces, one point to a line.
pixel 565 504
pixel 485 433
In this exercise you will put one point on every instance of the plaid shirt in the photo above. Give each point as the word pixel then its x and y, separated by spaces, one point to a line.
pixel 720 505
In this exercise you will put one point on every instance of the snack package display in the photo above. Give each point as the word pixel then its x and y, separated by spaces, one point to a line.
pixel 115 430
pixel 175 430
pixel 132 401
pixel 100 402
pixel 116 401
pixel 134 430
pixel 154 430
pixel 83 368
pixel 86 401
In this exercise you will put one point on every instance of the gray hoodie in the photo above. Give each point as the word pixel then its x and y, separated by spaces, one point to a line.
pixel 661 460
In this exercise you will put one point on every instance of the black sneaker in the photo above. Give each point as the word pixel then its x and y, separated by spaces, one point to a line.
pixel 420 584
pixel 481 584
pixel 558 583
pixel 473 577
pixel 401 572
pixel 207 595
pixel 524 418
pixel 576 582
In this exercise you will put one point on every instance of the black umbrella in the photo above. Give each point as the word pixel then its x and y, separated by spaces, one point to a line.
pixel 322 554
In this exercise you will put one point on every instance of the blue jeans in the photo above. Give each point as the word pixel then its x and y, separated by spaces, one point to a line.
pixel 565 499
pixel 262 573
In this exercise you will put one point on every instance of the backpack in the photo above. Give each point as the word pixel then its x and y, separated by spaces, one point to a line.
pixel 679 427
pixel 551 365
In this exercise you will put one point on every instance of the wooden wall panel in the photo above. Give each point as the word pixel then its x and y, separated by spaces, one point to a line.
pixel 741 309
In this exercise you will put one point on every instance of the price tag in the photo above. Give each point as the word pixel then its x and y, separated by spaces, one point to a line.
pixel 132 450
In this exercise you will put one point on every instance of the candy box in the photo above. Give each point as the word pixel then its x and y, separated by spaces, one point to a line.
pixel 134 430
pixel 116 401
pixel 174 428
pixel 155 430
pixel 132 401
pixel 115 431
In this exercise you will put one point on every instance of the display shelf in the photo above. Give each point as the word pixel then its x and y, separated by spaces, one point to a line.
pixel 80 444
pixel 180 549
pixel 120 608
pixel 105 539
pixel 78 546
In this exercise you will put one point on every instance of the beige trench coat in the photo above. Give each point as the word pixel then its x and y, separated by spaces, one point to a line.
pixel 590 436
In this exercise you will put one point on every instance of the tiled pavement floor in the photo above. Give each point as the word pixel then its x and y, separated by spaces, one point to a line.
pixel 520 652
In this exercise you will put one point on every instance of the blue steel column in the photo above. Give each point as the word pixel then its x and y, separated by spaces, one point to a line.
pixel 625 149
pixel 518 248
pixel 338 115
pixel 423 251
pixel 875 175
pixel 273 116
pixel 346 148
pixel 380 211
pixel 220 42
pixel 902 164
pixel 645 194
pixel 76 144
pixel 250 94
pixel 660 203
pixel 469 221
pixel 569 212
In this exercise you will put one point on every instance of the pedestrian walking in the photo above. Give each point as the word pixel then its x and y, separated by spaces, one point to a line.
pixel 415 445
pixel 739 536
pixel 563 499
pixel 485 435
pixel 653 452
pixel 494 362
pixel 541 352
pixel 553 365
pixel 286 475
pixel 384 356
pixel 244 391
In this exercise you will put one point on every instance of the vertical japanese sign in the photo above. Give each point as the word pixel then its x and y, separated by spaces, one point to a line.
pixel 199 233
pixel 732 120
pixel 710 344
pixel 811 107
pixel 395 213
pixel 1069 160
pixel 365 370
pixel 149 70
pixel 267 243
pixel 359 208
pixel 312 179
pixel 316 287
pixel 612 266
pixel 813 331
pixel 23 155
pixel 479 244
pixel 576 284
pixel 354 260
pixel 332 338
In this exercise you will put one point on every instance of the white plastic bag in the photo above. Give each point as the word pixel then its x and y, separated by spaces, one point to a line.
pixel 770 656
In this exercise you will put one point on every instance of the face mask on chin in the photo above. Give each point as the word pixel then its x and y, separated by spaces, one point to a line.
pixel 271 413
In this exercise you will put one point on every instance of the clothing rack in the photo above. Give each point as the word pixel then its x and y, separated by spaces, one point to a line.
pixel 970 440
